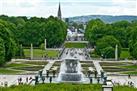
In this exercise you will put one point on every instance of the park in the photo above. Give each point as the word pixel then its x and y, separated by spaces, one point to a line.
pixel 53 54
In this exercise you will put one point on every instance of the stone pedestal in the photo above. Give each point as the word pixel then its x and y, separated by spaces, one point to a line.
pixel 45 44
pixel 116 53
pixel 31 52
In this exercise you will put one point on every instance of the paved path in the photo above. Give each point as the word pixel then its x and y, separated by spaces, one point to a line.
pixel 13 79
pixel 123 80
pixel 48 66
pixel 98 67
pixel 73 54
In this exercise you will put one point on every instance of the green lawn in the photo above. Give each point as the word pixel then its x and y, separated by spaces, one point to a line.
pixel 15 65
pixel 130 67
pixel 16 68
pixel 8 71
pixel 35 62
pixel 125 53
pixel 64 87
pixel 75 45
pixel 122 67
pixel 131 72
pixel 40 53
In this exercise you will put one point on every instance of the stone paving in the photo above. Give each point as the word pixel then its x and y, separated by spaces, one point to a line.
pixel 124 80
pixel 13 79
pixel 48 66
pixel 98 67
pixel 74 54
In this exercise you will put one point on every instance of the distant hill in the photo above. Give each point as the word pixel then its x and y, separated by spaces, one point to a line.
pixel 105 18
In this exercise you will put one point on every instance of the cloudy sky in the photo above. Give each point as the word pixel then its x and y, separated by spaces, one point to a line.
pixel 45 8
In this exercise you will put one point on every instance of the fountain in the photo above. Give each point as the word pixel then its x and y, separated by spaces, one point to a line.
pixel 70 71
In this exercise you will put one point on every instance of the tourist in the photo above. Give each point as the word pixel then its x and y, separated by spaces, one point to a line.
pixel 43 79
pixel 129 77
pixel 50 79
pixel 19 81
pixel 96 74
pixel 47 75
pixel 91 80
pixel 98 80
pixel 54 73
pixel 30 78
pixel 1 83
pixel 27 79
pixel 5 83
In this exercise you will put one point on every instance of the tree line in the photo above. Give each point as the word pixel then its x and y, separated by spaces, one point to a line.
pixel 16 31
pixel 104 37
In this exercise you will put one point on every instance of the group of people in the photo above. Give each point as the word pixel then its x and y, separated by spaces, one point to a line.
pixel 26 80
pixel 129 82
pixel 3 82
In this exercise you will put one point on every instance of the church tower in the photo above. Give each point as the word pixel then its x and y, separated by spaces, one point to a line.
pixel 59 12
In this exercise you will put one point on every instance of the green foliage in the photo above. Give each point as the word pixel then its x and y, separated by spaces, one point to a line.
pixel 133 49
pixel 108 52
pixel 8 42
pixel 94 30
pixel 125 32
pixel 55 32
pixel 124 88
pixel 55 87
pixel 42 46
pixel 64 87
pixel 106 47
pixel 36 30
pixel 2 51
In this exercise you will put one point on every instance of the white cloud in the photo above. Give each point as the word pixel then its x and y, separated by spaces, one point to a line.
pixel 45 8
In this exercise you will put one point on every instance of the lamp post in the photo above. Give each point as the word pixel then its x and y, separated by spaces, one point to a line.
pixel 107 88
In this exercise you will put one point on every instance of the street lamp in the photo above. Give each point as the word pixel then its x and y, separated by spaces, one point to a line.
pixel 107 88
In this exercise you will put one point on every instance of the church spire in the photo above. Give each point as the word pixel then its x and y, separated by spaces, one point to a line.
pixel 59 12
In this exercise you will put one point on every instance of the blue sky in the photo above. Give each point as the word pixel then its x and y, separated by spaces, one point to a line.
pixel 45 8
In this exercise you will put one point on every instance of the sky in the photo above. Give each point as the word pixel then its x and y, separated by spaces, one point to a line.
pixel 70 8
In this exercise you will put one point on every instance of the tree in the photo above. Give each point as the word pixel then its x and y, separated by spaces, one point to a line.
pixel 10 45
pixel 106 46
pixel 2 51
pixel 55 32
pixel 133 50
pixel 94 30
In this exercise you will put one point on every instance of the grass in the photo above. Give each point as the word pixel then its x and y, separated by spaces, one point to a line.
pixel 130 67
pixel 55 87
pixel 17 68
pixel 36 62
pixel 40 53
pixel 122 67
pixel 30 68
pixel 115 63
pixel 125 53
pixel 75 45
pixel 9 71
pixel 64 87
pixel 52 53
pixel 15 65
pixel 124 88
pixel 131 72
pixel 114 69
